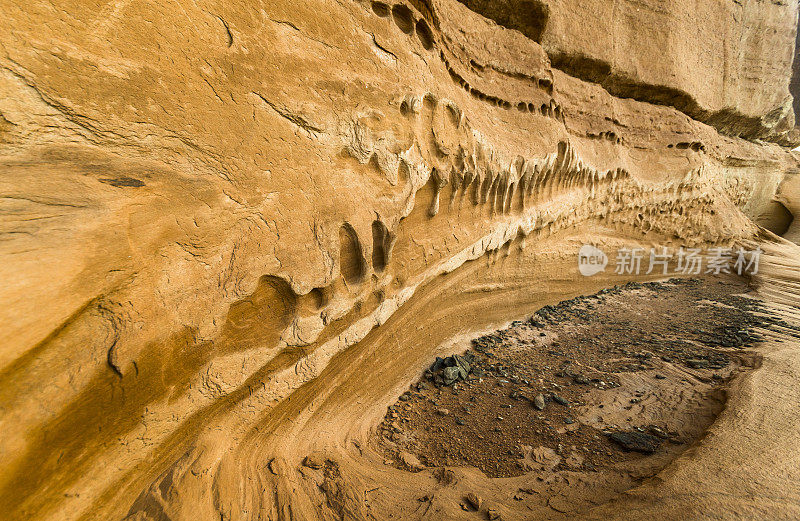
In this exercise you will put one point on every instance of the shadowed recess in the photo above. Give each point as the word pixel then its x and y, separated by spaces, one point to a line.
pixel 528 17
pixel 404 18
pixel 351 257
pixel 380 246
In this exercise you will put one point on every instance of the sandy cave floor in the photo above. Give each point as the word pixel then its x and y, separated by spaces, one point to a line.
pixel 592 395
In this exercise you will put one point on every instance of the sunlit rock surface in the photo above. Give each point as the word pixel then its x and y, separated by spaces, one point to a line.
pixel 233 231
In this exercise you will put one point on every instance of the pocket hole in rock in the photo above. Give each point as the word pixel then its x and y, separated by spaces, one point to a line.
pixel 403 17
pixel 380 9
pixel 380 246
pixel 351 257
pixel 424 34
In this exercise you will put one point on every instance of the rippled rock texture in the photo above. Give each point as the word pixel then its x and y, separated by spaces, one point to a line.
pixel 233 231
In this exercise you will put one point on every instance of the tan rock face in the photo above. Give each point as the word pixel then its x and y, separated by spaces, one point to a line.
pixel 794 86
pixel 224 224
pixel 723 63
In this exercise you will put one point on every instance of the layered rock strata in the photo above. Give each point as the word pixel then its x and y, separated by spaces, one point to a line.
pixel 216 217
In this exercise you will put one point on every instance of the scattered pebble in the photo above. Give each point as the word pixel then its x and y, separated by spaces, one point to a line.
pixel 474 501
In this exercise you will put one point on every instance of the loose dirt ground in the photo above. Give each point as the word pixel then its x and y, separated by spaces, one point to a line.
pixel 571 390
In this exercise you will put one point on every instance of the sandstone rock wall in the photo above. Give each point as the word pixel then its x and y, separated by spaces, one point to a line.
pixel 794 85
pixel 214 212
pixel 721 62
